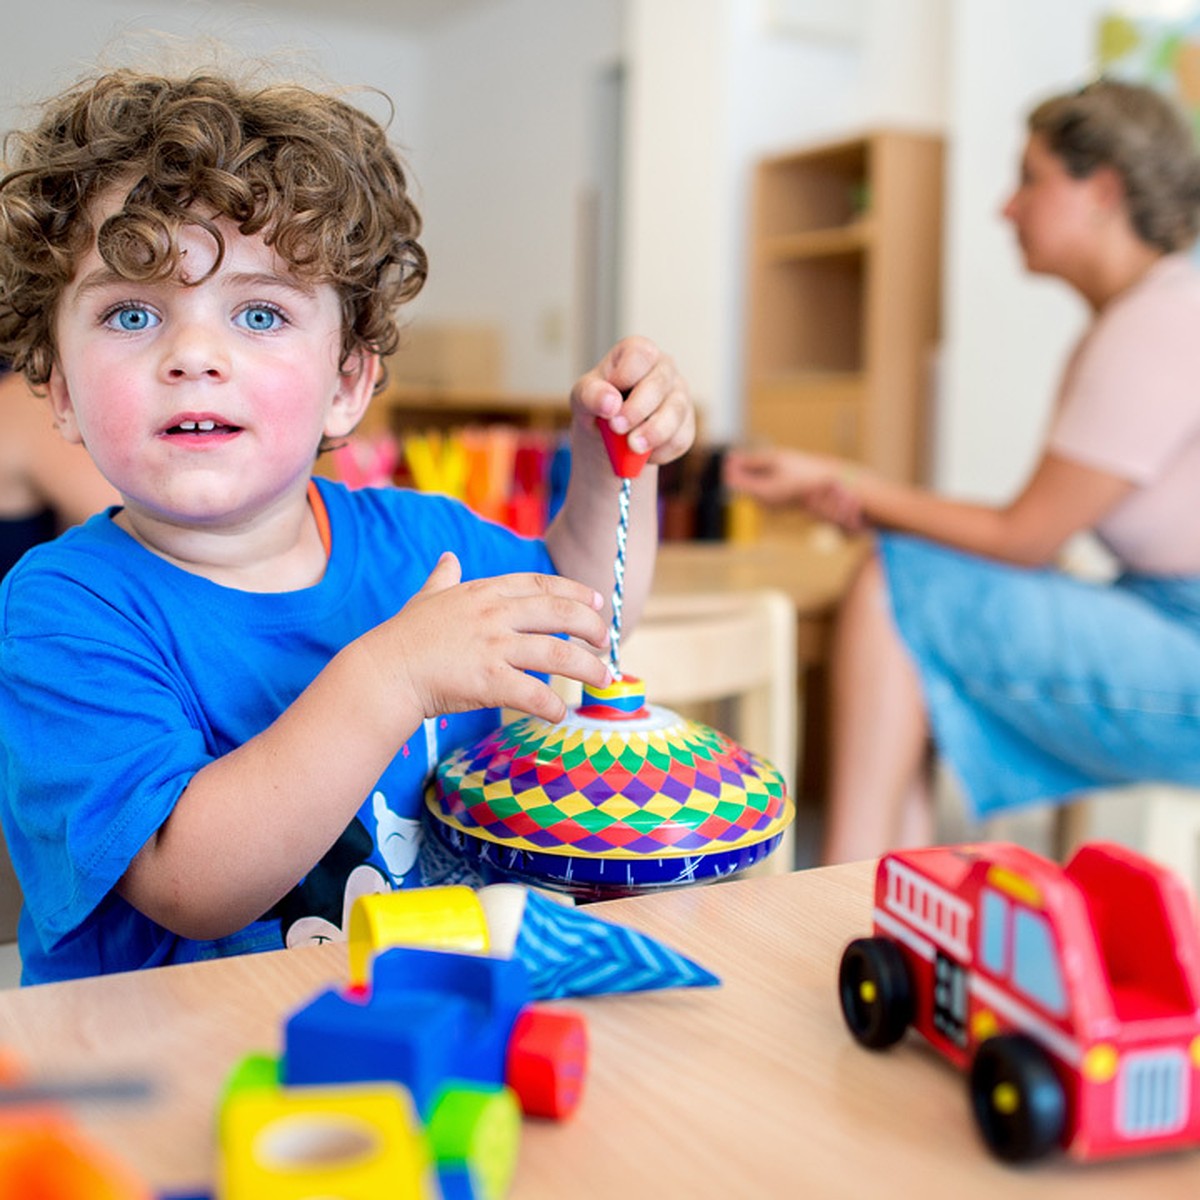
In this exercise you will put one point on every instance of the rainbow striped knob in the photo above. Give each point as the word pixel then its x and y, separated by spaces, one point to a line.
pixel 622 700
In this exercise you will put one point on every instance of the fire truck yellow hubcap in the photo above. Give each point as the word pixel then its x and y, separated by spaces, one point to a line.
pixel 867 992
pixel 1006 1099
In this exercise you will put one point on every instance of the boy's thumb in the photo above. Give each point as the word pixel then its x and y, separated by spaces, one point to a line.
pixel 445 574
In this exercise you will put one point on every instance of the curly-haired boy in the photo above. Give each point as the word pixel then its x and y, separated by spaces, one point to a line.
pixel 241 675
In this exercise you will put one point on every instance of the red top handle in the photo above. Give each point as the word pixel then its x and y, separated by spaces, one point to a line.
pixel 626 463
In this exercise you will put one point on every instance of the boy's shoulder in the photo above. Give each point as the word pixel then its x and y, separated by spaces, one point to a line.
pixel 91 560
pixel 97 546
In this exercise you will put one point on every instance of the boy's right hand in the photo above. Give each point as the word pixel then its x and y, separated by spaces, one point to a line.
pixel 459 646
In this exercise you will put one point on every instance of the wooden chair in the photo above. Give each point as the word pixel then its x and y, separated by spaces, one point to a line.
pixel 1171 828
pixel 1162 820
pixel 728 659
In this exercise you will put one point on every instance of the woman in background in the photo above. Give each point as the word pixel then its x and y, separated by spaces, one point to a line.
pixel 1035 685
pixel 46 484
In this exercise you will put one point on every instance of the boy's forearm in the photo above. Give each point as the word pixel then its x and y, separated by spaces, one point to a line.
pixel 252 823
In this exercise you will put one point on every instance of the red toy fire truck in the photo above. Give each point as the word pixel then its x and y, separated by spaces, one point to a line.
pixel 1070 994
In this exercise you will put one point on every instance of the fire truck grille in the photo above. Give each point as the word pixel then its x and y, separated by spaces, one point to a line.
pixel 1152 1093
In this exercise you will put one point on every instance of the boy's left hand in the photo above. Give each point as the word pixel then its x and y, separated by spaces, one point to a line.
pixel 637 389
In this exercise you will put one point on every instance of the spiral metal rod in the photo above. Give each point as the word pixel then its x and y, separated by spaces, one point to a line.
pixel 618 597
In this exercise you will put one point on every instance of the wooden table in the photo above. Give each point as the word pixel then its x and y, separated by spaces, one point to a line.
pixel 751 1090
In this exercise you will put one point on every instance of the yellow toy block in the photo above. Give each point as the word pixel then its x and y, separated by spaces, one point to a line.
pixel 357 1142
pixel 436 918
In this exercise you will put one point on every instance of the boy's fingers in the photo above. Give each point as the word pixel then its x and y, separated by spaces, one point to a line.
pixel 553 656
pixel 630 361
pixel 551 615
pixel 445 574
pixel 598 397
pixel 660 394
pixel 531 584
pixel 625 368
pixel 667 432
pixel 528 694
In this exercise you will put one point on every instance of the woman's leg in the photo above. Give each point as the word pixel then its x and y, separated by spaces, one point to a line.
pixel 879 794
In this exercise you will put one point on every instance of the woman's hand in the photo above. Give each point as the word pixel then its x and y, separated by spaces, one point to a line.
pixel 824 486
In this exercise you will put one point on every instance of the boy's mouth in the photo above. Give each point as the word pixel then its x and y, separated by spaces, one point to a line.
pixel 205 426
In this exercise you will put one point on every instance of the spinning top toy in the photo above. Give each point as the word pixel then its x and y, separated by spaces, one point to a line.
pixel 619 797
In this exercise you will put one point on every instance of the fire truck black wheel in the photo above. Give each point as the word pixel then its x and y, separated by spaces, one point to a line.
pixel 876 992
pixel 1018 1099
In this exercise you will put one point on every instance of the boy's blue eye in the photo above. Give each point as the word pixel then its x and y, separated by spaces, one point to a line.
pixel 131 319
pixel 259 318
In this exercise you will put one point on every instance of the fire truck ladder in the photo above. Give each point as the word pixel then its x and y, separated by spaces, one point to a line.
pixel 929 909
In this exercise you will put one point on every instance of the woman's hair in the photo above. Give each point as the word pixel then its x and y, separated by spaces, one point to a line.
pixel 312 174
pixel 1145 138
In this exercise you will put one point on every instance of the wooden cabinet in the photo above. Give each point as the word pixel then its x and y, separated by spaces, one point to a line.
pixel 410 408
pixel 447 375
pixel 845 297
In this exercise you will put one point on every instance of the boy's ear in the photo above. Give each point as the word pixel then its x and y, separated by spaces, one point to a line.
pixel 63 408
pixel 356 386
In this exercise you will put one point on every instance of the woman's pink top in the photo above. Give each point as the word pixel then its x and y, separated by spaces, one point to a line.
pixel 1129 404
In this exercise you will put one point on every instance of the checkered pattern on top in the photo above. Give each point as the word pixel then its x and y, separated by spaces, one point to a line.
pixel 617 789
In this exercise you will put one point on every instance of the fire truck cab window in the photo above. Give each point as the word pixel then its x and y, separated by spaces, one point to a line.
pixel 993 924
pixel 1035 964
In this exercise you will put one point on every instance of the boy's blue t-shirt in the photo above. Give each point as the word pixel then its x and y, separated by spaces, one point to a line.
pixel 122 675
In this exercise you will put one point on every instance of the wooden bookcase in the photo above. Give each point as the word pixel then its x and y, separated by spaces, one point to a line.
pixel 845 297
pixel 410 408
pixel 446 375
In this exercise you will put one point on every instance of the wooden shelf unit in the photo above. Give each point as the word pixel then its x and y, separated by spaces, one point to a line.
pixel 446 375
pixel 845 298
pixel 413 408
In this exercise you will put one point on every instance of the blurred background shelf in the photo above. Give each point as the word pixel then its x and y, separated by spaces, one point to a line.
pixel 406 406
pixel 447 375
pixel 844 298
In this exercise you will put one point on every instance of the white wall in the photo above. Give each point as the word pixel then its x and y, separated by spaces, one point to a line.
pixel 733 88
pixel 713 86
pixel 507 159
pixel 676 224
pixel 1005 334
pixel 49 46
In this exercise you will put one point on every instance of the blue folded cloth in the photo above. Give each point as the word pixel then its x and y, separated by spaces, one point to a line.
pixel 567 952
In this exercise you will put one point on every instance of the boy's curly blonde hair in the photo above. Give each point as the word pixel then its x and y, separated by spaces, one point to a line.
pixel 311 173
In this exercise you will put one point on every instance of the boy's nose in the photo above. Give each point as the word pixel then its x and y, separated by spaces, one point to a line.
pixel 195 353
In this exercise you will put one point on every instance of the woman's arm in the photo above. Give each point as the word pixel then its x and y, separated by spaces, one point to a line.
pixel 1061 498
